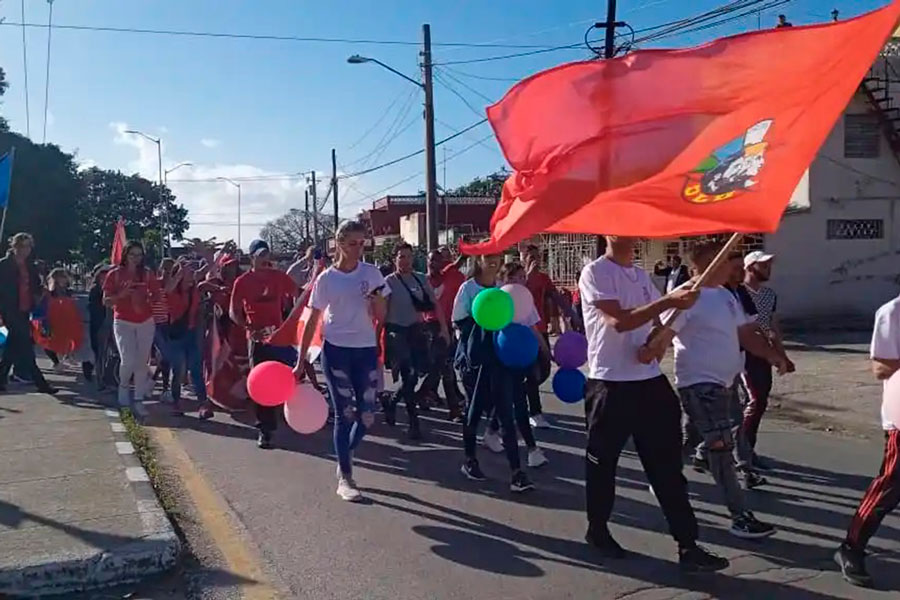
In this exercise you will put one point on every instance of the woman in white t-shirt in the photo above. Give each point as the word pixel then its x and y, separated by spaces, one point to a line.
pixel 488 383
pixel 351 295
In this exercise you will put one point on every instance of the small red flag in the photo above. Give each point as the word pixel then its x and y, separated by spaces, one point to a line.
pixel 665 143
pixel 119 241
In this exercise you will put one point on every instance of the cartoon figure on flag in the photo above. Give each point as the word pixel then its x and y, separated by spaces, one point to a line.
pixel 717 179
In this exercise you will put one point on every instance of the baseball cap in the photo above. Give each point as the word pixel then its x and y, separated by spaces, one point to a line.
pixel 757 256
pixel 257 247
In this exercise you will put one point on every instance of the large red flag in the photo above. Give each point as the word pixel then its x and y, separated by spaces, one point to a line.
pixel 119 241
pixel 664 143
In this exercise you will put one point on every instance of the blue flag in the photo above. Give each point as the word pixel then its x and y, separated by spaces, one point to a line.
pixel 5 177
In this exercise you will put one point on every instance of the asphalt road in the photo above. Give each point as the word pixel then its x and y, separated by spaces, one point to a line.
pixel 428 533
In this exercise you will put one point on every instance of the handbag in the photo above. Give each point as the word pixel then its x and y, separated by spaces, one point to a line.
pixel 423 304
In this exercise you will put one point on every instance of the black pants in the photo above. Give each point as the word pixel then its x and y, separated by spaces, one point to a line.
pixel 758 385
pixel 881 498
pixel 267 416
pixel 515 385
pixel 441 368
pixel 19 349
pixel 535 376
pixel 649 412
pixel 490 389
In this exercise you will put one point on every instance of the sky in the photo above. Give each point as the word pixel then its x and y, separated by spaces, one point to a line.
pixel 241 108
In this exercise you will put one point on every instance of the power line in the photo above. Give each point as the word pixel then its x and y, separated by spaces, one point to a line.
pixel 25 70
pixel 267 37
pixel 47 81
pixel 381 118
pixel 440 80
pixel 507 56
pixel 454 128
pixel 386 138
pixel 482 77
pixel 412 154
pixel 467 86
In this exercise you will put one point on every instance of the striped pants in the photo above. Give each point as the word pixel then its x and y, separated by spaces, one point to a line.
pixel 881 498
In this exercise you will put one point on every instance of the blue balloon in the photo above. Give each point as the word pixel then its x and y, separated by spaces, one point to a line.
pixel 517 346
pixel 568 385
pixel 4 333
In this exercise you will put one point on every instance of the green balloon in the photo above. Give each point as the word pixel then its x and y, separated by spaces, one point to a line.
pixel 493 309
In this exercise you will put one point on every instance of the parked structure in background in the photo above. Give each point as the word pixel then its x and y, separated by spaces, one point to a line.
pixel 396 217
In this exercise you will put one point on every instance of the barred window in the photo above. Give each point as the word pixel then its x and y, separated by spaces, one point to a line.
pixel 862 136
pixel 855 229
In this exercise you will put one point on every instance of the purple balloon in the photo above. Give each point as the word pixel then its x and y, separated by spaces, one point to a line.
pixel 570 350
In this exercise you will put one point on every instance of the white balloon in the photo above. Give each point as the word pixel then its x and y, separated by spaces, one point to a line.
pixel 523 301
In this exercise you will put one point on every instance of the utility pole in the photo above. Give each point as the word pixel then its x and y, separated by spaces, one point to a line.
pixel 306 212
pixel 315 211
pixel 609 51
pixel 431 210
pixel 334 192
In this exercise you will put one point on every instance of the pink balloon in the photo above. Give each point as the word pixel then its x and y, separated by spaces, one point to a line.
pixel 306 411
pixel 270 383
pixel 891 400
pixel 523 301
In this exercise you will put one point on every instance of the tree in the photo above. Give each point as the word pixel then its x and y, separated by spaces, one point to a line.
pixel 287 233
pixel 4 126
pixel 44 196
pixel 490 185
pixel 109 195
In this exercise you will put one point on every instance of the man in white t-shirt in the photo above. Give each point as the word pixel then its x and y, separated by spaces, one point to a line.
pixel 708 338
pixel 626 398
pixel 883 494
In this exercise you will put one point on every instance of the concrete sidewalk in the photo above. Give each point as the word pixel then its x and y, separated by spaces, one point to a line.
pixel 76 508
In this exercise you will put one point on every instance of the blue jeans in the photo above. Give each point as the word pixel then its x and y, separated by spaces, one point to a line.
pixel 185 356
pixel 350 373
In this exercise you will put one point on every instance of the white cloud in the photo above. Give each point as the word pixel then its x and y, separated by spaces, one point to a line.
pixel 211 204
pixel 87 163
pixel 211 142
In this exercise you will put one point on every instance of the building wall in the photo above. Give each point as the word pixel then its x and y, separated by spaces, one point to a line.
pixel 820 277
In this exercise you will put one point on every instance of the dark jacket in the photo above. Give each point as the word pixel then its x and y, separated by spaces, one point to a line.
pixel 9 284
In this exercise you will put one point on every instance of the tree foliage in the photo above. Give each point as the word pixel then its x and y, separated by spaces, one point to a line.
pixel 490 185
pixel 109 195
pixel 287 233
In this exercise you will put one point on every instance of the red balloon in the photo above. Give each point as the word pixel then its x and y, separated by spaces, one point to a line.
pixel 270 383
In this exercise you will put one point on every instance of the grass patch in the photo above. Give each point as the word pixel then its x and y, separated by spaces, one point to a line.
pixel 146 453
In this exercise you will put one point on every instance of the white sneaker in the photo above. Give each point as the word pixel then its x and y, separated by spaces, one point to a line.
pixel 347 490
pixel 536 458
pixel 492 441
pixel 539 421
pixel 166 397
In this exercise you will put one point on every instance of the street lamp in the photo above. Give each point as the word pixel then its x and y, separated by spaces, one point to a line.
pixel 238 186
pixel 430 167
pixel 163 209
pixel 166 183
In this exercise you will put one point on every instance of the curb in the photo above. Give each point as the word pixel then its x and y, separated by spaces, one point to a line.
pixel 155 551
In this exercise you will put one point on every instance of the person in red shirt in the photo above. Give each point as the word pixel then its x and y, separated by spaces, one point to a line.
pixel 259 302
pixel 445 279
pixel 20 287
pixel 183 338
pixel 131 289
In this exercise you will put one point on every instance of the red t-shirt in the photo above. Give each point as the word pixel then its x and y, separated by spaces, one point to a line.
pixel 179 301
pixel 136 307
pixel 24 287
pixel 264 294
pixel 445 287
pixel 540 285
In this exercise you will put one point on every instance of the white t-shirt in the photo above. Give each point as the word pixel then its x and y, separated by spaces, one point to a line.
pixel 342 298
pixel 462 304
pixel 707 349
pixel 613 356
pixel 886 344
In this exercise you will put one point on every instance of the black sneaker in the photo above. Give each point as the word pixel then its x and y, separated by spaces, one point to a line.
pixel 264 441
pixel 853 565
pixel 390 410
pixel 748 527
pixel 701 465
pixel 605 544
pixel 699 560
pixel 752 480
pixel 520 482
pixel 472 471
pixel 48 389
pixel 760 463
pixel 415 431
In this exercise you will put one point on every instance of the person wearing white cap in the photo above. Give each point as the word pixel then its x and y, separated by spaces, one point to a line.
pixel 757 377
